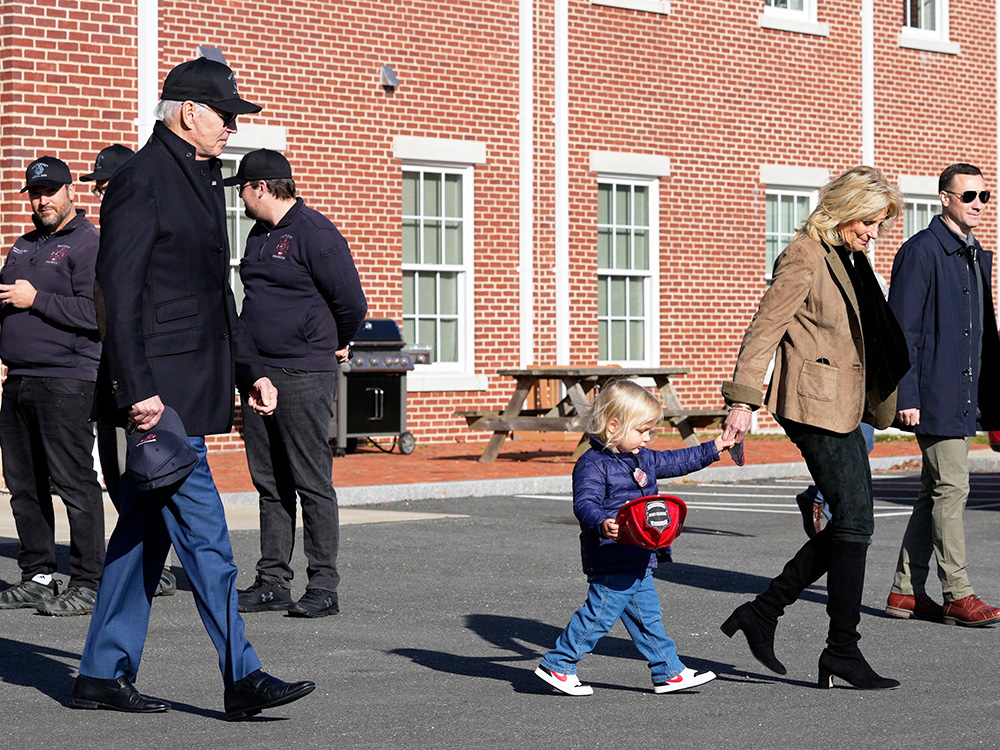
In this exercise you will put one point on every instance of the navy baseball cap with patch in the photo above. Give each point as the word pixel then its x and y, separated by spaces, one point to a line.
pixel 107 162
pixel 262 164
pixel 161 456
pixel 209 82
pixel 46 171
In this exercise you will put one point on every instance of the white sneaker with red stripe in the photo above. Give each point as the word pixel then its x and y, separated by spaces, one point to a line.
pixel 565 683
pixel 683 681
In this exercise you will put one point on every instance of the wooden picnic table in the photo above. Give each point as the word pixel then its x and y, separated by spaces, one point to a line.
pixel 579 383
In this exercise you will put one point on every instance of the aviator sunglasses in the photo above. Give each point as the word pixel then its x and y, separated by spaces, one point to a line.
pixel 970 195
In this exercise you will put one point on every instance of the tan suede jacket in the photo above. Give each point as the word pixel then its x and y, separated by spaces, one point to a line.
pixel 810 316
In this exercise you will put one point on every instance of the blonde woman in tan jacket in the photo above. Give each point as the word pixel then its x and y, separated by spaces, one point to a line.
pixel 839 354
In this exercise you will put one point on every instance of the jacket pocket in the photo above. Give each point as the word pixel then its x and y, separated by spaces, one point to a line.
pixel 175 342
pixel 185 307
pixel 818 381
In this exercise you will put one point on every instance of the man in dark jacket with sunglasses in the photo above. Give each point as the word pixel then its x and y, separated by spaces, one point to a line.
pixel 172 339
pixel 941 296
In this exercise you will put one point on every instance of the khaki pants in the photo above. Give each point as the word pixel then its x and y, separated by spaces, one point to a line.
pixel 936 524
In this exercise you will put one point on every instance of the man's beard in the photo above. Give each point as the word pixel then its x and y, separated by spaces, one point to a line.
pixel 50 220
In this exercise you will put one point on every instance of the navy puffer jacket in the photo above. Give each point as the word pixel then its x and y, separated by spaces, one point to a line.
pixel 603 482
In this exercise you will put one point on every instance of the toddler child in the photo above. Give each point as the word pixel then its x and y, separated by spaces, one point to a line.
pixel 619 468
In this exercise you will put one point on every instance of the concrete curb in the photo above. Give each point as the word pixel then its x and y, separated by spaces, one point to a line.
pixel 980 459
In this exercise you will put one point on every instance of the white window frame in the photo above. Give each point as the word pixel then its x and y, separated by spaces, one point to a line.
pixel 435 154
pixel 788 191
pixel 918 190
pixel 802 21
pixel 651 292
pixel 248 137
pixel 930 40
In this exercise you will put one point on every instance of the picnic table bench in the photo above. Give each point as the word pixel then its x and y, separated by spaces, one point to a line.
pixel 579 383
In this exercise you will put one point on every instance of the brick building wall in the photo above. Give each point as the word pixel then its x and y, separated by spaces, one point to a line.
pixel 704 85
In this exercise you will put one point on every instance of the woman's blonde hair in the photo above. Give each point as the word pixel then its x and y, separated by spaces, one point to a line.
pixel 625 401
pixel 859 193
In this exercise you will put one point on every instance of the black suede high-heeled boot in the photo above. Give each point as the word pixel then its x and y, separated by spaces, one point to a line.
pixel 759 618
pixel 842 658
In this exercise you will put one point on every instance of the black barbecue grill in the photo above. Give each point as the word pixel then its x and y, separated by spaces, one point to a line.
pixel 372 385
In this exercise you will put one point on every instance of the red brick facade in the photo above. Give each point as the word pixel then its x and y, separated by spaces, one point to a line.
pixel 705 85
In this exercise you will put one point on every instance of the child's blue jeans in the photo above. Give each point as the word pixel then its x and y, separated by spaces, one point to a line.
pixel 631 597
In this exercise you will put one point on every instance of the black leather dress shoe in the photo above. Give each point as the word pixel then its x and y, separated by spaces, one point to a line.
pixel 259 690
pixel 118 694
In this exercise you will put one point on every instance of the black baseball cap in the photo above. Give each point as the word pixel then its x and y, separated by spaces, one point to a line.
pixel 161 456
pixel 262 164
pixel 107 162
pixel 47 171
pixel 208 82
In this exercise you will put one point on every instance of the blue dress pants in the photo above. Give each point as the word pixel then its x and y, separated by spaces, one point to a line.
pixel 191 517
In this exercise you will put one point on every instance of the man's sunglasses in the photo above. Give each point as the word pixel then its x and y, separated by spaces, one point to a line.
pixel 228 118
pixel 970 195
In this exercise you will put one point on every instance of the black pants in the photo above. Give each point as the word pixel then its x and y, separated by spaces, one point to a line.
pixel 839 467
pixel 45 435
pixel 290 458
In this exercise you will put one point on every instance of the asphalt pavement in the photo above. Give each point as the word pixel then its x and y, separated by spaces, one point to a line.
pixel 445 615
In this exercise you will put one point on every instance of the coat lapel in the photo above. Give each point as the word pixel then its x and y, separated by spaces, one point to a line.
pixel 843 280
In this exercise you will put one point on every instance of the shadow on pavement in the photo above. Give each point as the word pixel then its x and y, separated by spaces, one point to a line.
pixel 38 667
pixel 516 666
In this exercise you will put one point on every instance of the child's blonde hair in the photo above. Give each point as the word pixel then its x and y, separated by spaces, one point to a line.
pixel 625 401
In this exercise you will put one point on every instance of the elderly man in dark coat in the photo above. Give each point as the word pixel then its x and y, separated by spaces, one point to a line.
pixel 941 296
pixel 172 338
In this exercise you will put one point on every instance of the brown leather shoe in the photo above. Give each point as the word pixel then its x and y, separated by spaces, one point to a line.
pixel 919 606
pixel 970 611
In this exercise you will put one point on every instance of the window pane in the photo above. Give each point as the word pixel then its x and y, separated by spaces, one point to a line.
pixel 773 248
pixel 602 340
pixel 411 248
pixel 641 206
pixel 604 204
pixel 449 294
pixel 604 248
pixel 636 301
pixel 786 218
pixel 453 243
pixel 641 240
pixel 618 341
pixel 618 293
pixel 427 336
pixel 771 213
pixel 409 331
pixel 602 296
pixel 453 195
pixel 448 345
pixel 432 195
pixel 410 204
pixel 427 296
pixel 623 205
pixel 636 344
pixel 432 242
pixel 621 249
pixel 409 296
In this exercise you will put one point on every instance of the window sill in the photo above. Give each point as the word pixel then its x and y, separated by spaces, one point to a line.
pixel 648 6
pixel 912 41
pixel 418 382
pixel 794 25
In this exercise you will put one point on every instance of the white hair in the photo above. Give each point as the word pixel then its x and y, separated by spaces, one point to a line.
pixel 167 111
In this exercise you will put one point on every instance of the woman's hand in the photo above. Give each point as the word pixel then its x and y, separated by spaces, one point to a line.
pixel 737 425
